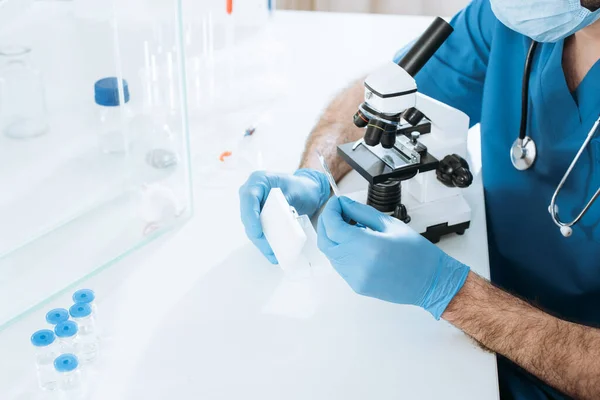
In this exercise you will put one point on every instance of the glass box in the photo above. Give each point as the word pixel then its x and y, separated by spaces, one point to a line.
pixel 93 139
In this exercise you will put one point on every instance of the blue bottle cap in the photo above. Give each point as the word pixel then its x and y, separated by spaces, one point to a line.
pixel 66 329
pixel 106 92
pixel 66 363
pixel 84 296
pixel 80 310
pixel 42 338
pixel 57 316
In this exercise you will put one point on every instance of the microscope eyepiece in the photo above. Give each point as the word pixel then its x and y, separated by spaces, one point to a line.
pixel 426 46
pixel 360 120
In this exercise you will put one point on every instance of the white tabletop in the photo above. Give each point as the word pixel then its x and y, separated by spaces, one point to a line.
pixel 200 314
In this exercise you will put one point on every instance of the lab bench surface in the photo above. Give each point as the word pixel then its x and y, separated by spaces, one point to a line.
pixel 200 313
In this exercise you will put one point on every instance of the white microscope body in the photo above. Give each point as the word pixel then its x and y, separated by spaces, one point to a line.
pixel 430 167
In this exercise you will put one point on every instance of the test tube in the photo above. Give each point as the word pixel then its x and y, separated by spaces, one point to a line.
pixel 44 342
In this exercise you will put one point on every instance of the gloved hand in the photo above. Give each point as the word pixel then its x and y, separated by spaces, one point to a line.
pixel 386 259
pixel 307 190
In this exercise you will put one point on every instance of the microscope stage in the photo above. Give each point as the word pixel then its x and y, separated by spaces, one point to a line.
pixel 375 170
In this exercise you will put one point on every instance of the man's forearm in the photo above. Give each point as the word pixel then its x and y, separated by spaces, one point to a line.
pixel 563 354
pixel 335 127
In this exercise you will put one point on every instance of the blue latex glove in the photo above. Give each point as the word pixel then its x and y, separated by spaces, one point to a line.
pixel 307 190
pixel 386 259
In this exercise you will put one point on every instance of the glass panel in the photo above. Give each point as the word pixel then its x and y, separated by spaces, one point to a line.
pixel 93 140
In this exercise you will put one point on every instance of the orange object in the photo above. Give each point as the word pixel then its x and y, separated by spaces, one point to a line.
pixel 229 6
pixel 223 155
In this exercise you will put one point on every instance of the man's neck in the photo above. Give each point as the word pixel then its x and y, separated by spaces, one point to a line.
pixel 581 51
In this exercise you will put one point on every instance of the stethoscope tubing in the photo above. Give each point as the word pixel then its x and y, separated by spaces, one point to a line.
pixel 523 139
pixel 553 208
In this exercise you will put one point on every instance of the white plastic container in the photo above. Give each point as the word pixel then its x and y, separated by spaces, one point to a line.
pixel 44 342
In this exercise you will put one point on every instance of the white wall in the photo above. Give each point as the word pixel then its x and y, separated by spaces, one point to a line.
pixel 423 7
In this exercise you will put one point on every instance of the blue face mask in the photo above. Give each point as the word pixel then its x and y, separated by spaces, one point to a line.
pixel 544 20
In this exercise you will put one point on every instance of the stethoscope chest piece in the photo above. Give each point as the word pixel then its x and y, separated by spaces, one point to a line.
pixel 523 153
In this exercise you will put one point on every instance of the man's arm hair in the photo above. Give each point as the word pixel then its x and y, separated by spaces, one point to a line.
pixel 563 354
pixel 334 128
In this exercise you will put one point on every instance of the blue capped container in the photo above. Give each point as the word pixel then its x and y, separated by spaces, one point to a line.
pixel 82 315
pixel 56 316
pixel 44 342
pixel 87 338
pixel 42 338
pixel 66 363
pixel 112 96
pixel 86 296
pixel 69 376
pixel 66 332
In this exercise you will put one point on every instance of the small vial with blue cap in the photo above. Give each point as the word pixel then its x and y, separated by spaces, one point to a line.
pixel 56 316
pixel 66 332
pixel 70 381
pixel 112 95
pixel 44 342
pixel 87 339
pixel 86 296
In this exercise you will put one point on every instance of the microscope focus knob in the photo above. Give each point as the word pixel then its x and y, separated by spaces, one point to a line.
pixel 414 136
pixel 453 171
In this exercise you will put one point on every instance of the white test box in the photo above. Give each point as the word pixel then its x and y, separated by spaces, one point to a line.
pixel 282 229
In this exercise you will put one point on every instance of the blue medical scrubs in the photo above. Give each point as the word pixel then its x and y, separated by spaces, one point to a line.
pixel 479 71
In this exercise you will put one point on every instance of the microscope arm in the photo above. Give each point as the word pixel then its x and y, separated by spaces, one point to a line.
pixel 453 124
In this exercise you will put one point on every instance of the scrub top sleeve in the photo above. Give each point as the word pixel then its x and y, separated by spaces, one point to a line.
pixel 456 73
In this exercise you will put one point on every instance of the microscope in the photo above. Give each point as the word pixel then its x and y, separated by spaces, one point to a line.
pixel 414 147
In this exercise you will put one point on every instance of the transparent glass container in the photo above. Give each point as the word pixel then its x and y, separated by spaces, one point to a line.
pixel 71 383
pixel 67 209
pixel 46 350
pixel 87 343
pixel 23 112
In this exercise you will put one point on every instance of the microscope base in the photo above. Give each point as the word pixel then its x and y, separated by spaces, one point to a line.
pixel 434 219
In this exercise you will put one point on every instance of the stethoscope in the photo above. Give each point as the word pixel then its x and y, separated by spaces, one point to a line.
pixel 523 151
